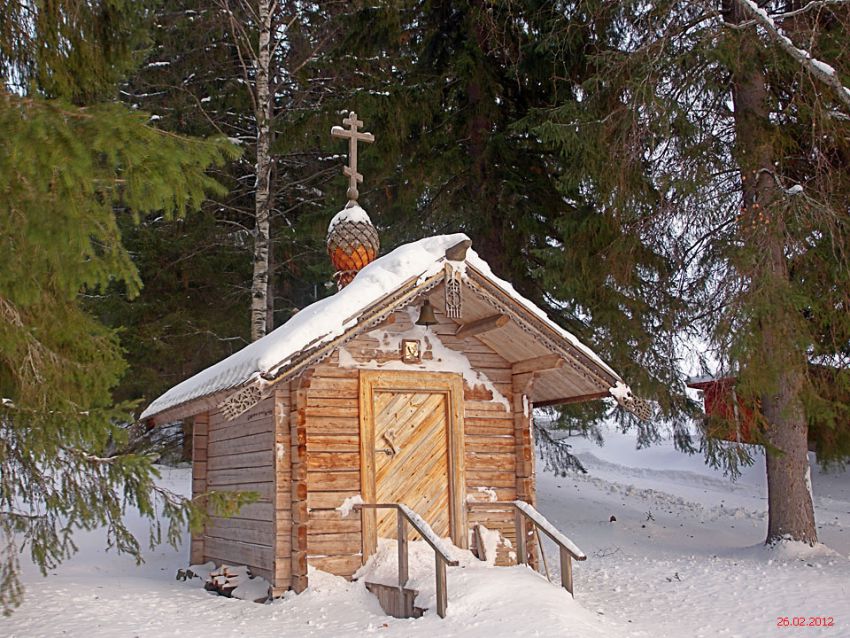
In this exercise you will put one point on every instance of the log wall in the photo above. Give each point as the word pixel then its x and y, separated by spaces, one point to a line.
pixel 329 394
pixel 241 457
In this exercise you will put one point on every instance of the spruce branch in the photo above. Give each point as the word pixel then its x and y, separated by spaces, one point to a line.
pixel 819 70
pixel 556 453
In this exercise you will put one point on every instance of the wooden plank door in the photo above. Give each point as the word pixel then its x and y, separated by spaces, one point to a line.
pixel 412 457
pixel 412 451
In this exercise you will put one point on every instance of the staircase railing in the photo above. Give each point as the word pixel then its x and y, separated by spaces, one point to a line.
pixel 405 516
pixel 525 514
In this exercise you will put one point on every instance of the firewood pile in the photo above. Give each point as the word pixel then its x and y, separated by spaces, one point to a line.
pixel 237 582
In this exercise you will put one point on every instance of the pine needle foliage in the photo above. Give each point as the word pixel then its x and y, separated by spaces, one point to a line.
pixel 73 163
pixel 697 131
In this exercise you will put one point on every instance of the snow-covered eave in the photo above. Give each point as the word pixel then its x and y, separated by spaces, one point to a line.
pixel 311 354
pixel 422 280
pixel 365 320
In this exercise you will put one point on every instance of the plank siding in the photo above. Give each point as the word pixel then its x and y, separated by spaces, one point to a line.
pixel 240 457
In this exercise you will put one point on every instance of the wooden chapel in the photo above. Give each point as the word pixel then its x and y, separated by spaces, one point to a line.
pixel 413 384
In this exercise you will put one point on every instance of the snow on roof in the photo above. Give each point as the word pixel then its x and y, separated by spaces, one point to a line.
pixel 331 317
pixel 322 321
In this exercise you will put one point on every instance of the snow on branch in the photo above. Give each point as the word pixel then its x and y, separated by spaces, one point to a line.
pixel 820 70
pixel 814 4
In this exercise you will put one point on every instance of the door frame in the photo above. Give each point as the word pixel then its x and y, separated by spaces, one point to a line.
pixel 448 384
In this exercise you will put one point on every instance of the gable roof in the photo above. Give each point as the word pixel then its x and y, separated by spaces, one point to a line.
pixel 382 286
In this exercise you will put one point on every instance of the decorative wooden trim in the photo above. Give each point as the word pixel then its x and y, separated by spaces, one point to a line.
pixel 480 326
pixel 453 292
pixel 448 384
pixel 538 364
pixel 240 401
pixel 530 323
pixel 188 408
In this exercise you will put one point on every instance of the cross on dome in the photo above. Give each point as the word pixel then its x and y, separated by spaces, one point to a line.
pixel 353 135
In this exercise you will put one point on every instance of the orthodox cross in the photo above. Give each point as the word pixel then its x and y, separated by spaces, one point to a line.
pixel 353 136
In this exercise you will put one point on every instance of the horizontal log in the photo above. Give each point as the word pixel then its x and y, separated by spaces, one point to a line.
pixel 488 478
pixel 261 511
pixel 333 388
pixel 489 444
pixel 482 325
pixel 248 531
pixel 239 553
pixel 258 442
pixel 349 410
pixel 488 427
pixel 324 442
pixel 344 566
pixel 333 371
pixel 262 459
pixel 264 490
pixel 502 494
pixel 334 544
pixel 326 402
pixel 320 425
pixel 329 499
pixel 332 522
pixel 321 480
pixel 333 460
pixel 538 364
pixel 236 431
pixel 491 461
pixel 487 407
pixel 241 475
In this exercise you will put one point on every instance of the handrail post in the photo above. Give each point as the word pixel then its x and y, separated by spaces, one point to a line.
pixel 519 525
pixel 442 598
pixel 402 549
pixel 567 571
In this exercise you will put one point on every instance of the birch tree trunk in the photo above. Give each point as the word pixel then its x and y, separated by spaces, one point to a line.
pixel 790 508
pixel 263 114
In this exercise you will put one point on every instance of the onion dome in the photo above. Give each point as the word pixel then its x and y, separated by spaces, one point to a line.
pixel 352 243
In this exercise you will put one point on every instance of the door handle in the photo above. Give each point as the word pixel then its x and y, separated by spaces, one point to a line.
pixel 385 450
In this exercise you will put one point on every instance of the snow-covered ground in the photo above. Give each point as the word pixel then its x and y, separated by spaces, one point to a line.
pixel 682 559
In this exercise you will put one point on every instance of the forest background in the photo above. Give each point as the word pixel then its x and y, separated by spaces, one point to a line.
pixel 669 180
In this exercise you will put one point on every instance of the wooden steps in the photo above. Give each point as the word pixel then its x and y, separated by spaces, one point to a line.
pixel 396 601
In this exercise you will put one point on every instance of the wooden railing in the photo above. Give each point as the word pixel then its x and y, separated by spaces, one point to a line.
pixel 525 514
pixel 405 516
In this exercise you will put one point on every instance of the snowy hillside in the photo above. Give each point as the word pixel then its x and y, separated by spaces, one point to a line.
pixel 683 558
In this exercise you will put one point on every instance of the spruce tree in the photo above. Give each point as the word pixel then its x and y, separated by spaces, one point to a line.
pixel 702 133
pixel 452 88
pixel 74 163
